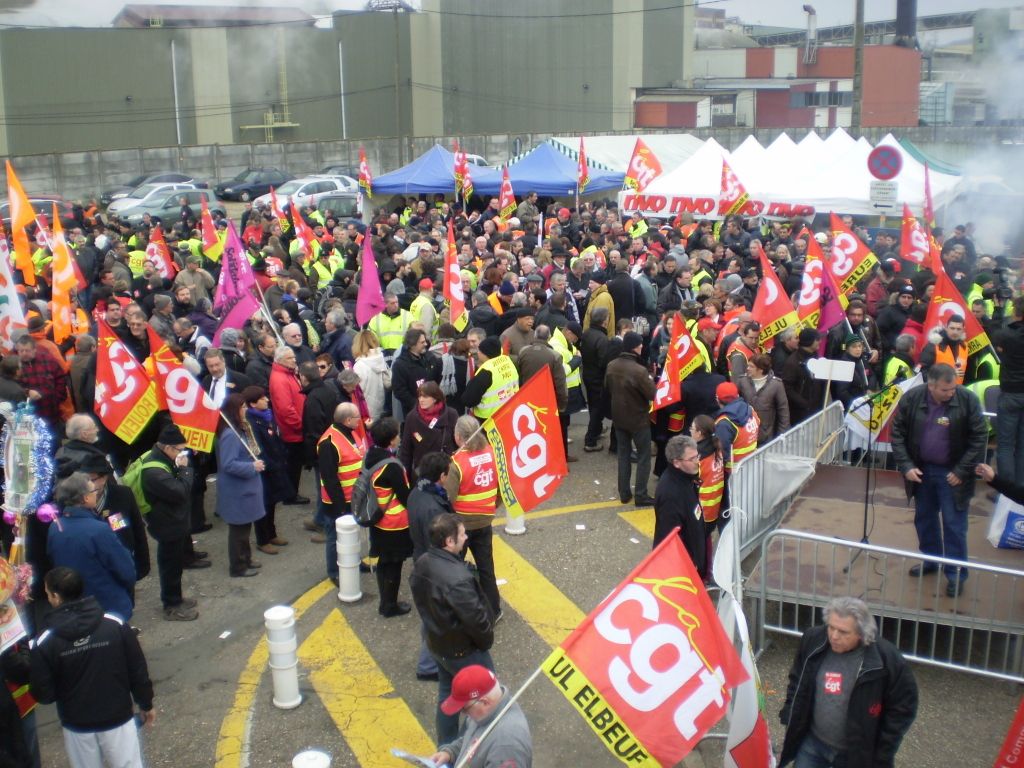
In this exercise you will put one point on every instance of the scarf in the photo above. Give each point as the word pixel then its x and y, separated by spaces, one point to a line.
pixel 267 415
pixel 432 414
pixel 758 383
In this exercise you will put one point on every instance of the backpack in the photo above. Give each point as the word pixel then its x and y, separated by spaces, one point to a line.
pixel 366 508
pixel 133 479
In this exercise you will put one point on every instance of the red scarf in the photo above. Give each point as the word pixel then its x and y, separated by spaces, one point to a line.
pixel 433 413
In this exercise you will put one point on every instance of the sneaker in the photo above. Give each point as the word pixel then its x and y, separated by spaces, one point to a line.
pixel 267 549
pixel 277 541
pixel 188 602
pixel 195 565
pixel 593 448
pixel 499 617
pixel 179 613
pixel 318 538
pixel 309 525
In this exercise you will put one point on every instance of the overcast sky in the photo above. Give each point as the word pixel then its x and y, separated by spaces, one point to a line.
pixel 786 13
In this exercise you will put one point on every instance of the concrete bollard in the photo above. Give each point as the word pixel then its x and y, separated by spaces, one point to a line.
pixel 515 526
pixel 284 662
pixel 311 758
pixel 348 559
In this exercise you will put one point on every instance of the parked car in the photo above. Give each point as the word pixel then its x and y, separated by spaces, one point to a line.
pixel 311 186
pixel 341 170
pixel 252 182
pixel 161 177
pixel 145 192
pixel 40 204
pixel 477 160
pixel 344 204
pixel 167 205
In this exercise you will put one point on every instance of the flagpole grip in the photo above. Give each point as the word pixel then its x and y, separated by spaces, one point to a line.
pixel 470 750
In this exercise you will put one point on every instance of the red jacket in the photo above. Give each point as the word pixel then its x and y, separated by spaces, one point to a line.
pixel 915 329
pixel 286 399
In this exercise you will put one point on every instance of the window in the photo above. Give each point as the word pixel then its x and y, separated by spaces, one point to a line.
pixel 806 99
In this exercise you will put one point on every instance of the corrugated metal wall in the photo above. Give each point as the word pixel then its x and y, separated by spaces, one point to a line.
pixel 891 93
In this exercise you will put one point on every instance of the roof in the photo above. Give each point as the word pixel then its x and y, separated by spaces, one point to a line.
pixel 208 15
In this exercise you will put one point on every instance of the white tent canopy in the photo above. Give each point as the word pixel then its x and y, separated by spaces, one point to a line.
pixel 614 152
pixel 787 178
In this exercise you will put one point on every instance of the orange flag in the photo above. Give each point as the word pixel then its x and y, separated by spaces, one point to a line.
pixel 507 201
pixel 582 171
pixel 125 395
pixel 772 307
pixel 914 244
pixel 212 246
pixel 63 281
pixel 734 195
pixel 157 252
pixel 22 215
pixel 453 292
pixel 643 168
pixel 947 301
pixel 684 357
pixel 851 258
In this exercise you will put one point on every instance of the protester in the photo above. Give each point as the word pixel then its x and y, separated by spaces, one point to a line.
pixel 677 502
pixel 767 396
pixel 373 370
pixel 851 695
pixel 274 477
pixel 428 428
pixel 804 392
pixel 631 389
pixel 288 403
pixel 340 454
pixel 413 366
pixel 1010 424
pixel 239 488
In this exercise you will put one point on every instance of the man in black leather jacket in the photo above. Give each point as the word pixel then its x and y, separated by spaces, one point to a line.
pixel 457 618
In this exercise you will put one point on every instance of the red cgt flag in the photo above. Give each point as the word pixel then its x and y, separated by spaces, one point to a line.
pixel 125 395
pixel 643 167
pixel 947 301
pixel 365 178
pixel 772 307
pixel 191 408
pixel 913 240
pixel 453 292
pixel 212 246
pixel 650 669
pixel 527 440
pixel 460 174
pixel 157 252
pixel 684 358
pixel 734 195
pixel 929 209
pixel 851 258
pixel 507 201
pixel 582 171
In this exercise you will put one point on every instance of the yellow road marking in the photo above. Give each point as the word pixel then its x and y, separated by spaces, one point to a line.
pixel 232 730
pixel 561 511
pixel 354 689
pixel 541 604
pixel 641 519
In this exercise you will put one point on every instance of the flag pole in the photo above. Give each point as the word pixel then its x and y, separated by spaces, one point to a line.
pixel 467 754
pixel 232 428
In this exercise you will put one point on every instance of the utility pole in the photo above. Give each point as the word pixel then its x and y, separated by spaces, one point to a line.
pixel 398 100
pixel 856 116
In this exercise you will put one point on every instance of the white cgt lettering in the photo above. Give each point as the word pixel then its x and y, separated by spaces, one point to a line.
pixel 662 684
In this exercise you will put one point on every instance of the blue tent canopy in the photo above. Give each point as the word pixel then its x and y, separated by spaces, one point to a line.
pixel 433 172
pixel 549 173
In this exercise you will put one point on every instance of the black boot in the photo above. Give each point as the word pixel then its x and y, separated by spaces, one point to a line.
pixel 391 606
pixel 381 590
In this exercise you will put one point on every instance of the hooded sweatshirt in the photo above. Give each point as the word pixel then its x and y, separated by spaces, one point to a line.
pixel 374 375
pixel 738 413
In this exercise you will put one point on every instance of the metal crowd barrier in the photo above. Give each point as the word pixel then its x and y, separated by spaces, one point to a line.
pixel 746 485
pixel 981 631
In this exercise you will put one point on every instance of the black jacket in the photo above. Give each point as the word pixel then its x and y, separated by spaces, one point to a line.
pixel 697 396
pixel 92 666
pixel 1010 343
pixel 258 369
pixel 882 707
pixel 626 295
pixel 968 432
pixel 317 414
pixel 1014 491
pixel 426 501
pixel 484 316
pixel 408 372
pixel 593 347
pixel 804 392
pixel 863 380
pixel 891 320
pixel 121 501
pixel 236 382
pixel 169 493
pixel 677 504
pixel 420 438
pixel 451 604
pixel 277 486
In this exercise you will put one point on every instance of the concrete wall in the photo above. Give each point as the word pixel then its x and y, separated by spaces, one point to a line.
pixel 78 175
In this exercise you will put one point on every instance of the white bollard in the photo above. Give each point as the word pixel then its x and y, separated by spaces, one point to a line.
pixel 515 526
pixel 284 662
pixel 348 559
pixel 311 758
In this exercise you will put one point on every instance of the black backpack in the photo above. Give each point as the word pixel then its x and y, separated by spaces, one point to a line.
pixel 366 508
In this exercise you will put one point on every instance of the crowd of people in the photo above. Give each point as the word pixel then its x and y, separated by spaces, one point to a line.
pixel 593 295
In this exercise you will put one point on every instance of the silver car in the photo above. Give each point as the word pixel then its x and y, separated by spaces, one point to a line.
pixel 144 194
pixel 167 205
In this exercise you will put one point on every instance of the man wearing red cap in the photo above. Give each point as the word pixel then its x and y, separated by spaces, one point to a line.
pixel 477 693
pixel 736 425
pixel 422 307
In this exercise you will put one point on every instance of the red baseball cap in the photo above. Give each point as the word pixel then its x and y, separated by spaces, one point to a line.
pixel 563 212
pixel 726 392
pixel 706 322
pixel 425 283
pixel 469 685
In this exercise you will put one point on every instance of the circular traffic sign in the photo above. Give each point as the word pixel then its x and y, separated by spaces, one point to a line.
pixel 885 163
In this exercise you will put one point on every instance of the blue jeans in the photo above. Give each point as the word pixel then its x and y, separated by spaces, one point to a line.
pixel 448 725
pixel 425 665
pixel 1010 437
pixel 814 754
pixel 934 500
pixel 331 548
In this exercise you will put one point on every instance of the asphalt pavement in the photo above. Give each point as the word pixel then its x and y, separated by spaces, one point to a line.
pixel 357 672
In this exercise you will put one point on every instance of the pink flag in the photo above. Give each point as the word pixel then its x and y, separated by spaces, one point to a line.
pixel 832 311
pixel 236 275
pixel 237 310
pixel 371 299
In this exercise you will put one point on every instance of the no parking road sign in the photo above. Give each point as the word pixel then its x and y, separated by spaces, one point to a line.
pixel 885 163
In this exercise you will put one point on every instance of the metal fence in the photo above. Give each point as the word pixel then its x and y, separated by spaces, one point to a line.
pixel 747 484
pixel 980 631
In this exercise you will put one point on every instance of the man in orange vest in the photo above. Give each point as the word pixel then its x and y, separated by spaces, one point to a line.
pixel 946 346
pixel 472 486
pixel 339 455
pixel 736 425
pixel 743 349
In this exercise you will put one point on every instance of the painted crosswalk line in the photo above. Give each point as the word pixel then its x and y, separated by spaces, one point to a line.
pixel 641 519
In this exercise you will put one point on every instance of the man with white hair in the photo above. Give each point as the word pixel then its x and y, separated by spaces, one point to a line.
pixel 851 694
pixel 292 334
pixel 83 434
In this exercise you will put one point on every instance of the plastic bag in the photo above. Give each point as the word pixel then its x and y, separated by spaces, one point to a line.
pixel 1006 528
